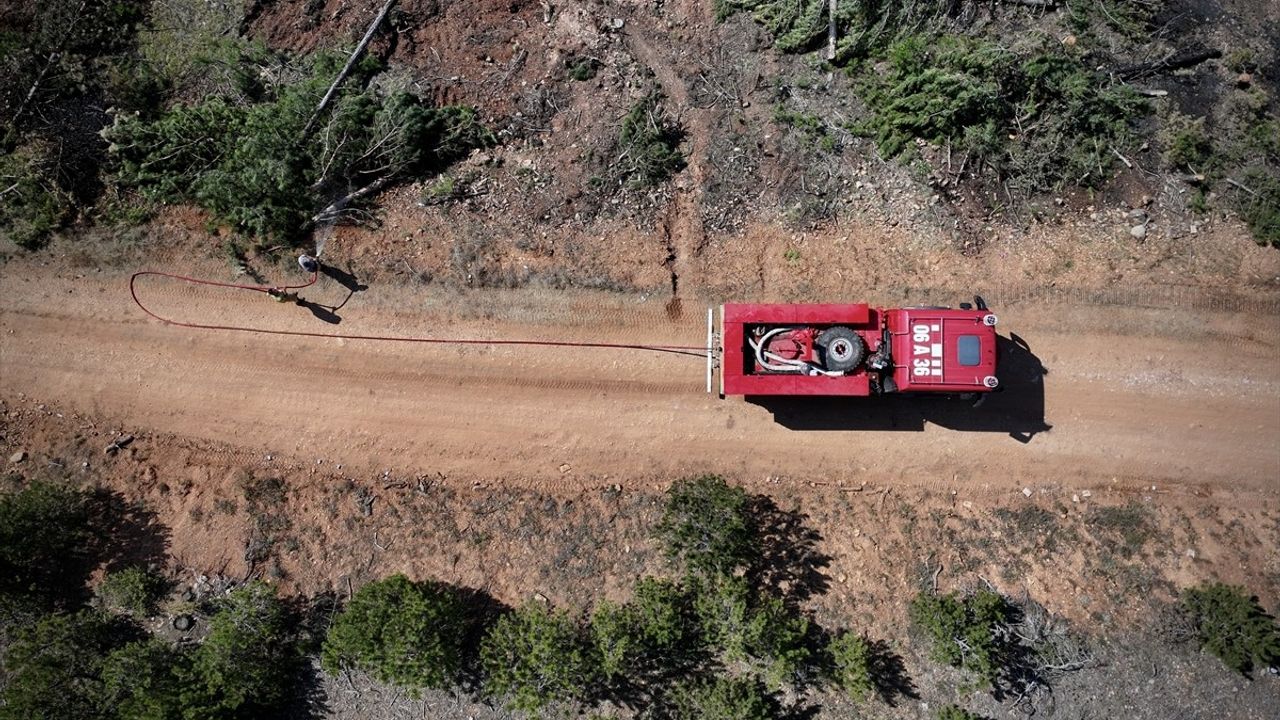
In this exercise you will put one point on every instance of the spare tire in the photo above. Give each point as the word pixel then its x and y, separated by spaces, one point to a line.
pixel 840 349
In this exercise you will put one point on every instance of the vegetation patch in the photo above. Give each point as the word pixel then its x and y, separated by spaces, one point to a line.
pixel 535 656
pixel 133 589
pixel 966 631
pixel 248 157
pixel 1038 121
pixel 402 632
pixel 1233 626
pixel 649 144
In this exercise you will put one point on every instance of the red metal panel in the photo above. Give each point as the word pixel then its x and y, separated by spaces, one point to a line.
pixel 782 314
pixel 925 350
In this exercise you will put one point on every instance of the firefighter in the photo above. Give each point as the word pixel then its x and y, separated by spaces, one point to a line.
pixel 280 295
pixel 308 263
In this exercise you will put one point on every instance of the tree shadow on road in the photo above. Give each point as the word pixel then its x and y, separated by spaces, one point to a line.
pixel 126 534
pixel 790 565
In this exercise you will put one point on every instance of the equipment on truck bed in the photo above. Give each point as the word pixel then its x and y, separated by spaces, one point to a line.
pixel 853 349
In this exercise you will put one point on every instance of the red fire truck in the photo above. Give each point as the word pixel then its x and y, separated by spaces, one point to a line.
pixel 854 349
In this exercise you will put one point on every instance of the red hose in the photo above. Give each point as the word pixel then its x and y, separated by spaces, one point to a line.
pixel 691 350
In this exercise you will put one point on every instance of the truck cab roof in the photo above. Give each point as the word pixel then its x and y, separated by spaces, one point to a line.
pixel 943 350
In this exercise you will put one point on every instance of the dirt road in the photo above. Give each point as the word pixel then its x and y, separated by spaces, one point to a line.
pixel 1154 395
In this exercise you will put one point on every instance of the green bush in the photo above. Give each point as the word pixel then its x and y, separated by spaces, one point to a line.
pixel 752 627
pixel 721 699
pixel 583 69
pixel 1260 206
pixel 649 144
pixel 403 632
pixel 1186 145
pixel 652 627
pixel 141 680
pixel 132 589
pixel 851 658
pixel 54 668
pixel 534 657
pixel 33 205
pixel 1231 624
pixel 243 156
pixel 863 27
pixel 968 632
pixel 1041 121
pixel 44 529
pixel 246 665
pixel 706 525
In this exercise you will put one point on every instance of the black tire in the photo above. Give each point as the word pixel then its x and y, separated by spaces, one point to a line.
pixel 840 349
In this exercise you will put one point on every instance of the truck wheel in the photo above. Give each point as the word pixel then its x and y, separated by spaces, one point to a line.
pixel 840 348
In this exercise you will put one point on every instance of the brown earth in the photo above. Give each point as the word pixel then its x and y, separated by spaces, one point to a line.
pixel 1142 421
pixel 1151 392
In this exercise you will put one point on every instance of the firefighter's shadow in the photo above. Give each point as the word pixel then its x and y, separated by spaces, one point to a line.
pixel 1017 409
pixel 329 313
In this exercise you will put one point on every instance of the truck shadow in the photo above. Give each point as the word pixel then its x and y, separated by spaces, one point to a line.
pixel 1017 409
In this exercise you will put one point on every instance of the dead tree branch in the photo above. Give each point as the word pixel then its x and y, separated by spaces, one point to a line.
pixel 346 69
pixel 1177 60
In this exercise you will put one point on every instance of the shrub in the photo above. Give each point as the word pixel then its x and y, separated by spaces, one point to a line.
pixel 140 680
pixel 33 205
pixel 706 525
pixel 649 144
pixel 246 664
pixel 1187 147
pixel 1064 120
pixel 721 699
pixel 243 156
pixel 965 631
pixel 534 656
pixel 1260 207
pixel 132 589
pixel 851 658
pixel 863 27
pixel 44 529
pixel 1231 624
pixel 753 628
pixel 653 626
pixel 583 69
pixel 54 668
pixel 403 632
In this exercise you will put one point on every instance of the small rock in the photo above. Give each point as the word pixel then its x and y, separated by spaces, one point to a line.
pixel 967 504
pixel 541 598
pixel 565 467
pixel 18 456
pixel 1138 231
pixel 1244 79
pixel 1191 553
pixel 183 622
pixel 1026 492
pixel 1069 41
pixel 617 23
pixel 1086 493
pixel 1075 497
pixel 841 578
